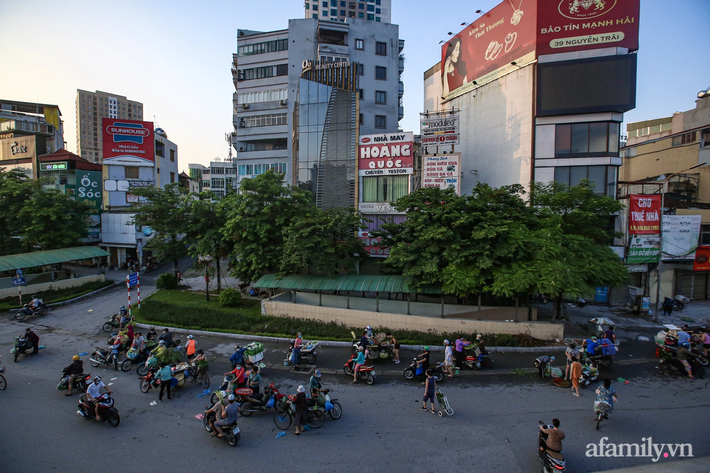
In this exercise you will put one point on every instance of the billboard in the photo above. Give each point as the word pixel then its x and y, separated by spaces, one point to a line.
pixel 89 190
pixel 386 154
pixel 702 259
pixel 128 142
pixel 680 236
pixel 439 128
pixel 442 172
pixel 644 249
pixel 486 48
pixel 644 214
pixel 575 25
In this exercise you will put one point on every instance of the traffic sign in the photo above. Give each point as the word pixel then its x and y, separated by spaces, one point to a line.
pixel 132 279
pixel 18 282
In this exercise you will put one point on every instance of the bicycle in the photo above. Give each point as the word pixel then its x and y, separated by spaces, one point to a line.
pixel 314 419
pixel 3 383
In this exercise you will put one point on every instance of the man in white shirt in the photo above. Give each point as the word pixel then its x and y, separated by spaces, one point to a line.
pixel 94 391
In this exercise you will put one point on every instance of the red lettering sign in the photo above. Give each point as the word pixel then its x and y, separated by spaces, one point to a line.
pixel 702 259
pixel 644 214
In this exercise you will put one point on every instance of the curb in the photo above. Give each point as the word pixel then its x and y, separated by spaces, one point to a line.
pixel 261 338
pixel 85 296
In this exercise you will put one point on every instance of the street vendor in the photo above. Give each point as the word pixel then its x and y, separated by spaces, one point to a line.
pixel 364 340
pixel 481 344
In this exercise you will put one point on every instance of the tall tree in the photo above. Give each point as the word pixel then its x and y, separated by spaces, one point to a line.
pixel 256 219
pixel 15 190
pixel 323 239
pixel 164 210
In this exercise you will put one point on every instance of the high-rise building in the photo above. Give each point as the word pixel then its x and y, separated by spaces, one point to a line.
pixel 91 107
pixel 338 10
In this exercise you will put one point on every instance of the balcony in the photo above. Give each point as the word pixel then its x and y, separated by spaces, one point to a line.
pixel 401 45
pixel 400 89
pixel 263 154
pixel 400 113
pixel 30 127
pixel 261 132
pixel 401 64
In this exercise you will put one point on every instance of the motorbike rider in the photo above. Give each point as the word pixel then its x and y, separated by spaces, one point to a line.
pixel 607 394
pixel 364 340
pixel 683 353
pixel 554 436
pixel 370 335
pixel 35 304
pixel 423 359
pixel 190 347
pixel 315 385
pixel 93 392
pixel 481 344
pixel 124 318
pixel 239 377
pixel 230 414
pixel 160 351
pixel 152 334
pixel 34 340
pixel 73 370
pixel 590 346
pixel 683 335
pixel 167 337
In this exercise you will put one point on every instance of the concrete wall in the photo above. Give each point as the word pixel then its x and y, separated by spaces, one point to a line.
pixel 422 323
pixel 48 286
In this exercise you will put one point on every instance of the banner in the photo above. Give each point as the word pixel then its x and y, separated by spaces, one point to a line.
pixel 644 249
pixel 644 214
pixel 372 245
pixel 128 142
pixel 442 172
pixel 575 25
pixel 680 236
pixel 386 154
pixel 702 259
pixel 439 128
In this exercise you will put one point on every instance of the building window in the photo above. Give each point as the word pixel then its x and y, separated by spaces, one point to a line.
pixel 361 69
pixel 351 5
pixel 362 93
pixel 282 70
pixel 216 170
pixel 333 12
pixel 315 7
pixel 342 12
pixel 381 49
pixel 380 97
pixel 132 172
pixel 218 182
pixel 361 15
pixel 380 121
pixel 377 11
pixel 315 15
pixel 263 72
pixel 684 139
pixel 265 120
pixel 371 8
pixel 603 177
pixel 384 188
pixel 172 177
pixel 360 44
pixel 596 139
pixel 263 96
pixel 172 155
pixel 351 14
pixel 370 16
pixel 380 73
pixel 704 235
pixel 308 6
pixel 361 6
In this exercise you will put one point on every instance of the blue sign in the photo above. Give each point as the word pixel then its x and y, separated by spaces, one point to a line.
pixel 18 282
pixel 601 294
pixel 132 279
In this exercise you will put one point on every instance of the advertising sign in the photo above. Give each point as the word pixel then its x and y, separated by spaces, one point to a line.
pixel 702 259
pixel 386 154
pixel 54 166
pixel 644 214
pixel 439 128
pixel 128 142
pixel 372 245
pixel 486 47
pixel 89 190
pixel 442 172
pixel 18 147
pixel 382 208
pixel 680 236
pixel 575 25
pixel 644 249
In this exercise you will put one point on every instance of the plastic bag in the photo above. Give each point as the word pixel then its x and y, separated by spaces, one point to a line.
pixel 132 354
pixel 271 402
pixel 328 406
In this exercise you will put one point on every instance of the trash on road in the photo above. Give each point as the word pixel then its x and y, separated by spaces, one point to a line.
pixel 620 380
pixel 90 310
pixel 114 379
pixel 199 417
pixel 204 393
pixel 306 427
pixel 110 384
pixel 83 353
pixel 641 338
pixel 153 403
pixel 280 434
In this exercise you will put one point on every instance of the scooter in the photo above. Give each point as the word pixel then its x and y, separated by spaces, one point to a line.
pixel 364 372
pixel 27 309
pixel 22 346
pixel 232 434
pixel 106 410
pixel 307 354
pixel 672 365
pixel 590 373
pixel 551 461
pixel 601 410
pixel 477 359
pixel 114 321
pixel 104 356
pixel 261 402
pixel 413 371
pixel 81 382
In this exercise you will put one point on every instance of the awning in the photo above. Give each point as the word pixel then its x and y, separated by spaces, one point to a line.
pixel 49 257
pixel 392 284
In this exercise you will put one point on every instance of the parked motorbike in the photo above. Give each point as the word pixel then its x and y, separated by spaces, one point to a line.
pixel 679 302
pixel 232 434
pixel 261 402
pixel 364 372
pixel 307 354
pixel 475 359
pixel 23 345
pixel 81 382
pixel 672 365
pixel 603 361
pixel 27 309
pixel 104 356
pixel 551 461
pixel 580 302
pixel 412 371
pixel 538 298
pixel 590 373
pixel 107 412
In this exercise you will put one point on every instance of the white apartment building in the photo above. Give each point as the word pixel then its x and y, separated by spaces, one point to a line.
pixel 339 10
pixel 219 178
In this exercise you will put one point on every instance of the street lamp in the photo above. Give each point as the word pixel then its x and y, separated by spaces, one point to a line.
pixel 659 270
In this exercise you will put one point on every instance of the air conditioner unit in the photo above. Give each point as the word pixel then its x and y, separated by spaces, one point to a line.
pixel 245 106
pixel 241 148
pixel 283 102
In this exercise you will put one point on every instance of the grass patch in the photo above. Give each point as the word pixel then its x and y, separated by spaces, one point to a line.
pixel 189 310
pixel 55 295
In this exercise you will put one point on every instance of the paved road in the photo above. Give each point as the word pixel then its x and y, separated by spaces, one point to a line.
pixel 493 428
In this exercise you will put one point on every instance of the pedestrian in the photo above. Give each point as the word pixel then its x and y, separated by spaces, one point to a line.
pixel 448 362
pixel 359 361
pixel 296 351
pixel 609 334
pixel 429 391
pixel 571 352
pixel 575 373
pixel 253 379
pixel 458 350
pixel 706 341
pixel 301 406
pixel 190 347
pixel 395 347
pixel 165 375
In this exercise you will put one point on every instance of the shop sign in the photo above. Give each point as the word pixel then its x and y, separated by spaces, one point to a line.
pixel 386 154
pixel 702 259
pixel 442 172
pixel 643 249
pixel 439 129
pixel 54 166
pixel 372 245
pixel 644 214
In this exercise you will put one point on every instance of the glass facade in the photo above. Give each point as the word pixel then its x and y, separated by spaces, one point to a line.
pixel 327 143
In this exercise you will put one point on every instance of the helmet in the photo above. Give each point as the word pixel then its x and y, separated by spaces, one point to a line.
pixel 123 307
pixel 369 328
pixel 75 358
pixel 479 336
pixel 97 379
pixel 426 348
pixel 231 397
pixel 162 342
pixel 359 348
pixel 189 337
pixel 552 358
pixel 446 342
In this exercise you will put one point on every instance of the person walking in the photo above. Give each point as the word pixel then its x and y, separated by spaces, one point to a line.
pixel 571 353
pixel 165 375
pixel 575 373
pixel 395 348
pixel 301 406
pixel 706 341
pixel 448 362
pixel 429 391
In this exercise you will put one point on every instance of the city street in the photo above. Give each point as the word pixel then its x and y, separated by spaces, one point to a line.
pixel 493 427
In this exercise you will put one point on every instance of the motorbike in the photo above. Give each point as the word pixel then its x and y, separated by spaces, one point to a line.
pixel 81 382
pixel 551 461
pixel 580 302
pixel 261 402
pixel 114 321
pixel 679 302
pixel 232 434
pixel 307 354
pixel 590 373
pixel 364 372
pixel 601 410
pixel 672 365
pixel 477 359
pixel 104 356
pixel 22 346
pixel 538 298
pixel 376 351
pixel 412 371
pixel 27 309
pixel 107 412
pixel 671 347
pixel 603 361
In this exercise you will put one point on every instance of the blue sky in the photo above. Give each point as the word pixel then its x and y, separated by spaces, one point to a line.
pixel 175 56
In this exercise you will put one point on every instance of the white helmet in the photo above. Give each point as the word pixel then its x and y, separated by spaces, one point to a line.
pixel 189 337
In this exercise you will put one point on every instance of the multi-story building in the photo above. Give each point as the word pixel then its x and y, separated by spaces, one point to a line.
pixel 201 175
pixel 91 108
pixel 339 10
pixel 268 67
pixel 27 131
pixel 219 178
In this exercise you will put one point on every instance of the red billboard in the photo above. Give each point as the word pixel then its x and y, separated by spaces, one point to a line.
pixel 644 214
pixel 386 154
pixel 702 259
pixel 503 35
pixel 574 25
pixel 128 142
